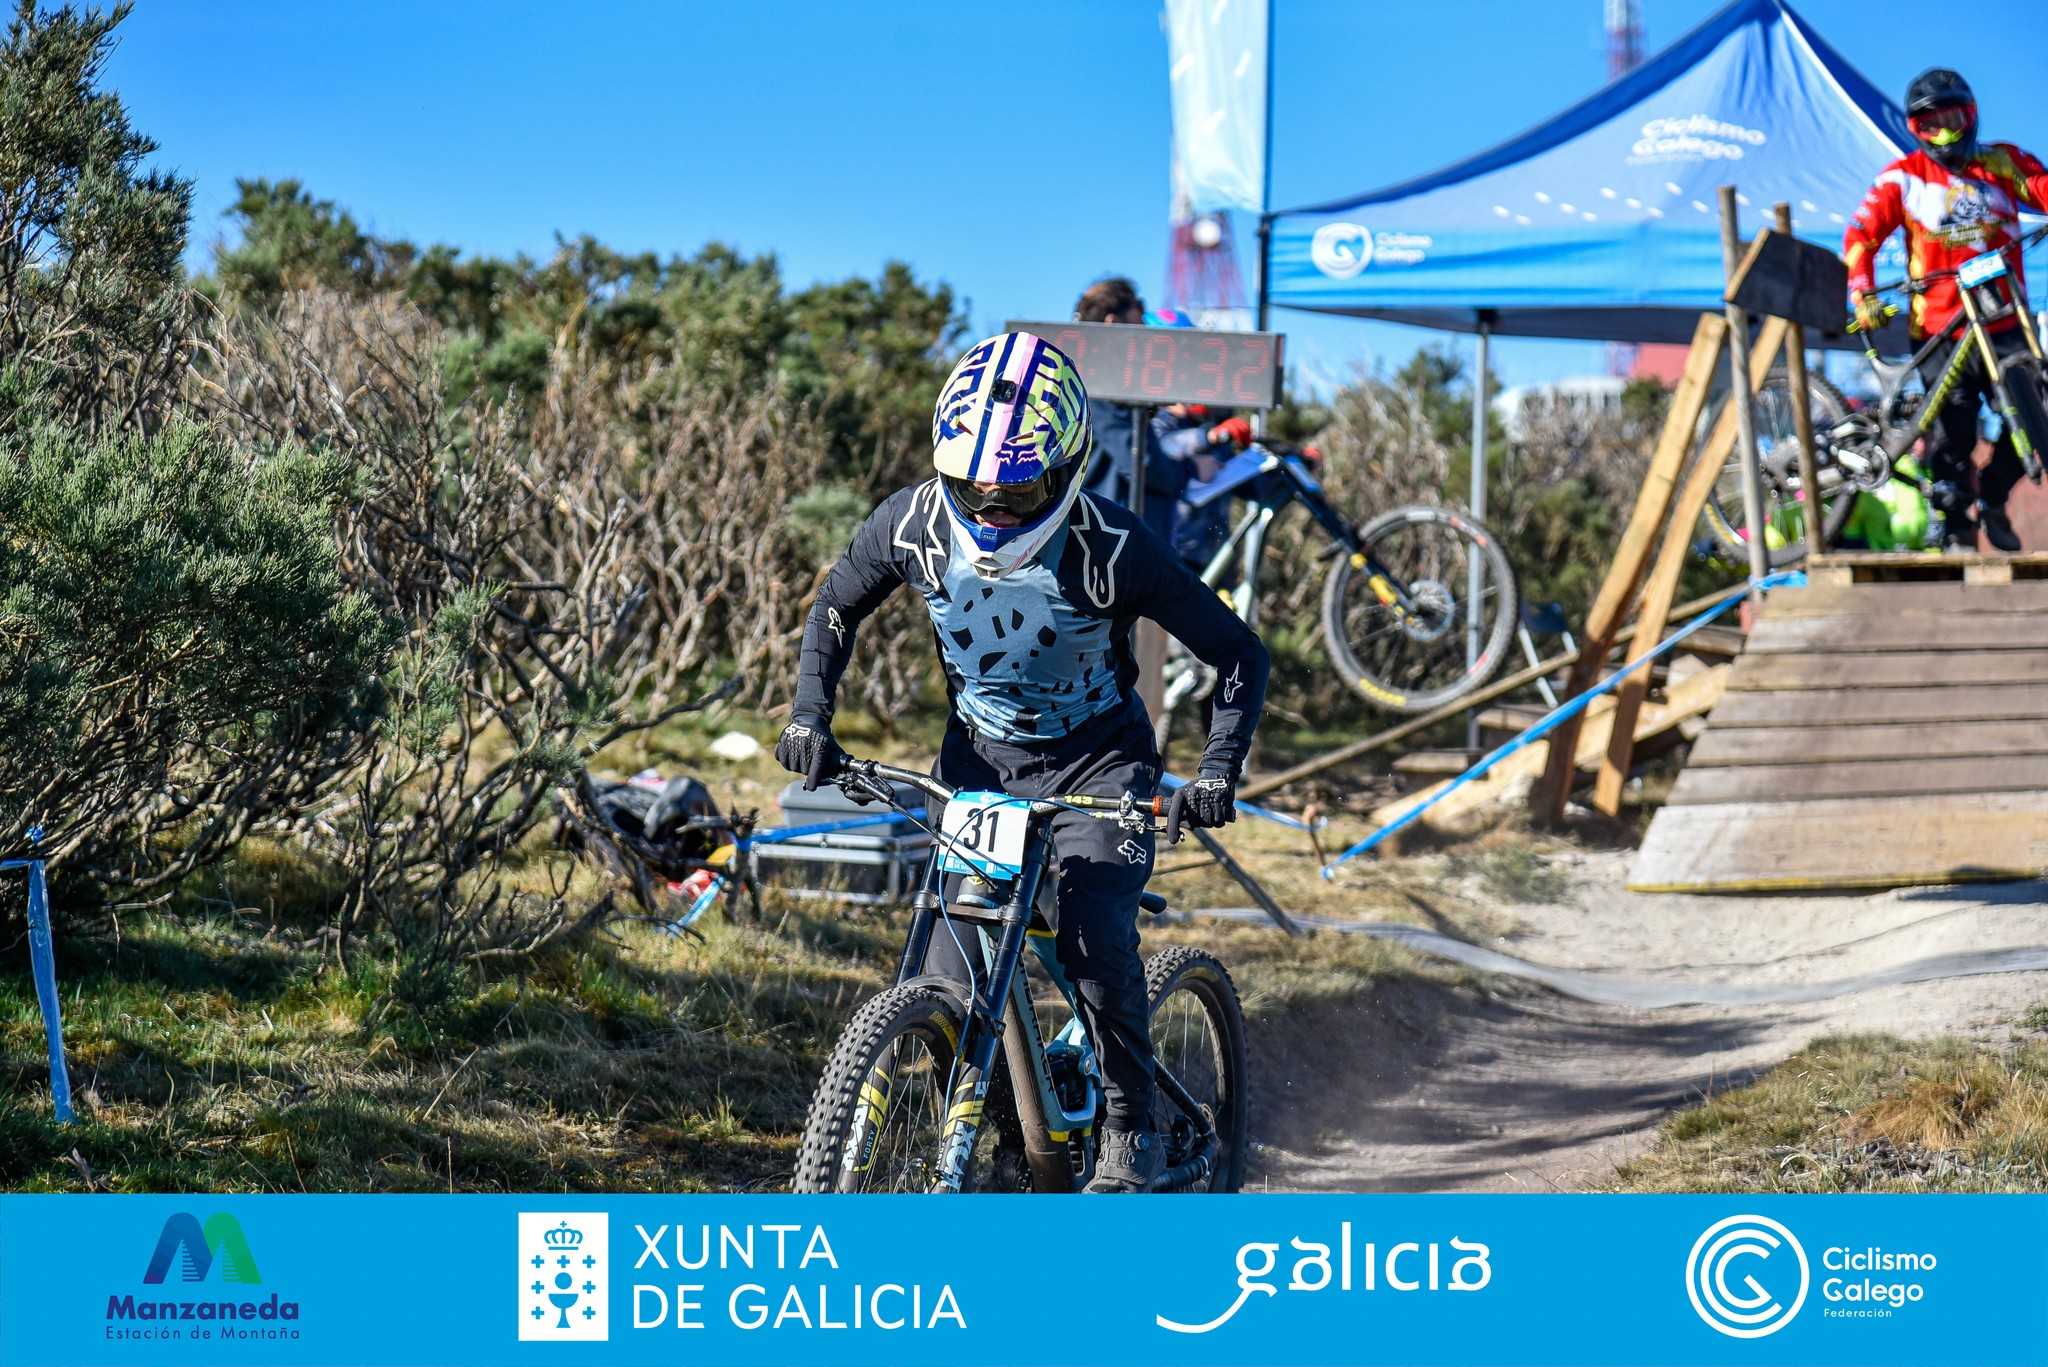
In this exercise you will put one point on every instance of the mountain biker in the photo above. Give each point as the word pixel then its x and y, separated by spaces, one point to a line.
pixel 1033 587
pixel 1956 198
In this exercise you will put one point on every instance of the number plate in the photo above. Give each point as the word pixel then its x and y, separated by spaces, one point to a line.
pixel 983 833
pixel 1979 269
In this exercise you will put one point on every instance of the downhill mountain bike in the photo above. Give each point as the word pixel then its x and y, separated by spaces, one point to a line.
pixel 945 1085
pixel 1857 449
pixel 1420 604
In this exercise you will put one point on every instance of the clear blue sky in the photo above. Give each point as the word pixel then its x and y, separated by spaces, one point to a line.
pixel 1014 160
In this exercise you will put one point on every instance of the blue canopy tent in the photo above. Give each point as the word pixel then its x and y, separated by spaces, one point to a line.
pixel 1602 223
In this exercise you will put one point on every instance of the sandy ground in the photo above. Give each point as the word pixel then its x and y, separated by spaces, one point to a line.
pixel 1519 1086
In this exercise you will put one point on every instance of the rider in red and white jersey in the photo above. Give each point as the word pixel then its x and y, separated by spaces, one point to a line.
pixel 1956 198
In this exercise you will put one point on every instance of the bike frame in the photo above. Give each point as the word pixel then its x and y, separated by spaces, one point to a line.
pixel 1246 545
pixel 999 1014
pixel 1968 333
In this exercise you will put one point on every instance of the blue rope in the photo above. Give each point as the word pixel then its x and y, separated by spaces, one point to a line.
pixel 43 960
pixel 1564 713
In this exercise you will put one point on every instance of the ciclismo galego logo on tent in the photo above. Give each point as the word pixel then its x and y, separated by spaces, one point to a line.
pixel 201 1285
pixel 1342 250
pixel 1695 137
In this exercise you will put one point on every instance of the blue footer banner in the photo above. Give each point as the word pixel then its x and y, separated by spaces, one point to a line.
pixel 704 1280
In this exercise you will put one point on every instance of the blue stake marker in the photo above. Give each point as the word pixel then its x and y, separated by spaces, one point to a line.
pixel 43 960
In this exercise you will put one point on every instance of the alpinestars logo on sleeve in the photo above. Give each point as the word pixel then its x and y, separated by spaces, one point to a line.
pixel 1232 684
pixel 1100 544
pixel 930 550
pixel 832 620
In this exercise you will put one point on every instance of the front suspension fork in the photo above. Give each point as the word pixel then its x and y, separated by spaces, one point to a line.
pixel 984 1032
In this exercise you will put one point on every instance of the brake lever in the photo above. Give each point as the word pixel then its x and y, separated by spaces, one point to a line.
pixel 1175 807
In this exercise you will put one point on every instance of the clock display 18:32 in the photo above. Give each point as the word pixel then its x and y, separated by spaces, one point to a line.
pixel 1147 365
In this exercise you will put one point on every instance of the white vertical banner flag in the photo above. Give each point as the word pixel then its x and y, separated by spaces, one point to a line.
pixel 1216 58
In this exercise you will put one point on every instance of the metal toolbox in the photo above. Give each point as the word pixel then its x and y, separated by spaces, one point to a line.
pixel 869 865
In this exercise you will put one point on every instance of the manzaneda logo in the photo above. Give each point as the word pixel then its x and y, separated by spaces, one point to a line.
pixel 220 1237
pixel 190 1252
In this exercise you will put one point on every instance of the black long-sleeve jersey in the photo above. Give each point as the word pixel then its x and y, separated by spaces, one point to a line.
pixel 1031 656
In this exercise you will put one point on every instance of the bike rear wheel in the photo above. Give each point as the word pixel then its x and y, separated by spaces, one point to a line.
pixel 1408 661
pixel 1198 1033
pixel 1777 443
pixel 879 1114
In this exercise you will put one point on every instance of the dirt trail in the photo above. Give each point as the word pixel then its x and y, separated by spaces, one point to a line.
pixel 1526 1088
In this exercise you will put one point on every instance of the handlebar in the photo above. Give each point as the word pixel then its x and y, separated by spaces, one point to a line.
pixel 873 778
pixel 1918 284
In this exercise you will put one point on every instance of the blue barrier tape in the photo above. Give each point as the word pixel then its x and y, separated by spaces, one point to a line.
pixel 1294 823
pixel 43 961
pixel 775 835
pixel 1564 713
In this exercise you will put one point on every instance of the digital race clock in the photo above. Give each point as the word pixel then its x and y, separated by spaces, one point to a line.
pixel 1125 364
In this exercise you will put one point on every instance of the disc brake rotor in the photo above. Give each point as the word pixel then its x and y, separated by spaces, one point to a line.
pixel 1436 608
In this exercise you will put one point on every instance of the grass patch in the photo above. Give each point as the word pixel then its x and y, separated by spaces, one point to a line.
pixel 1513 872
pixel 1866 1113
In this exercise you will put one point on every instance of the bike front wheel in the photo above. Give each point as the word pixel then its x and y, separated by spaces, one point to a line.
pixel 878 1119
pixel 1777 445
pixel 1198 1035
pixel 2027 389
pixel 1447 639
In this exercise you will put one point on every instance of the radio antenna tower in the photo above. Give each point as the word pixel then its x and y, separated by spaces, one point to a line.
pixel 1201 265
pixel 1624 37
pixel 1624 54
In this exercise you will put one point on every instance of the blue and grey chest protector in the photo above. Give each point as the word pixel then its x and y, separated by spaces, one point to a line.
pixel 1025 664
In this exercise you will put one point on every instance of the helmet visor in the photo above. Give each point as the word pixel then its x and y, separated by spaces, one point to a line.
pixel 1021 501
pixel 1944 124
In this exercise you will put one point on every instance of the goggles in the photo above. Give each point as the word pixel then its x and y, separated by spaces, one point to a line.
pixel 1018 500
pixel 1943 124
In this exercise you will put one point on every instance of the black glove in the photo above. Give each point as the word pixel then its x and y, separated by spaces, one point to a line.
pixel 807 749
pixel 1207 802
pixel 1211 802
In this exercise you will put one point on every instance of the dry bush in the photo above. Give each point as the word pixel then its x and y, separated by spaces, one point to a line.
pixel 520 616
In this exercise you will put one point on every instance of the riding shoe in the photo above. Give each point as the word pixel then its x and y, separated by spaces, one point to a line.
pixel 1126 1162
pixel 1997 529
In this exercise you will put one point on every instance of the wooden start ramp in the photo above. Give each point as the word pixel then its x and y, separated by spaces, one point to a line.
pixel 1872 735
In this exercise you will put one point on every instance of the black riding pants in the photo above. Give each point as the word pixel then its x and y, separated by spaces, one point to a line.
pixel 1102 868
pixel 1952 440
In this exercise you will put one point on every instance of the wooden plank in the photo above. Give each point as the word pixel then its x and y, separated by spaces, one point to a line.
pixel 1745 745
pixel 1919 631
pixel 1987 702
pixel 1795 373
pixel 1895 559
pixel 1905 668
pixel 1632 555
pixel 1787 278
pixel 1842 843
pixel 1987 574
pixel 1662 586
pixel 1691 697
pixel 1896 775
pixel 1829 601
